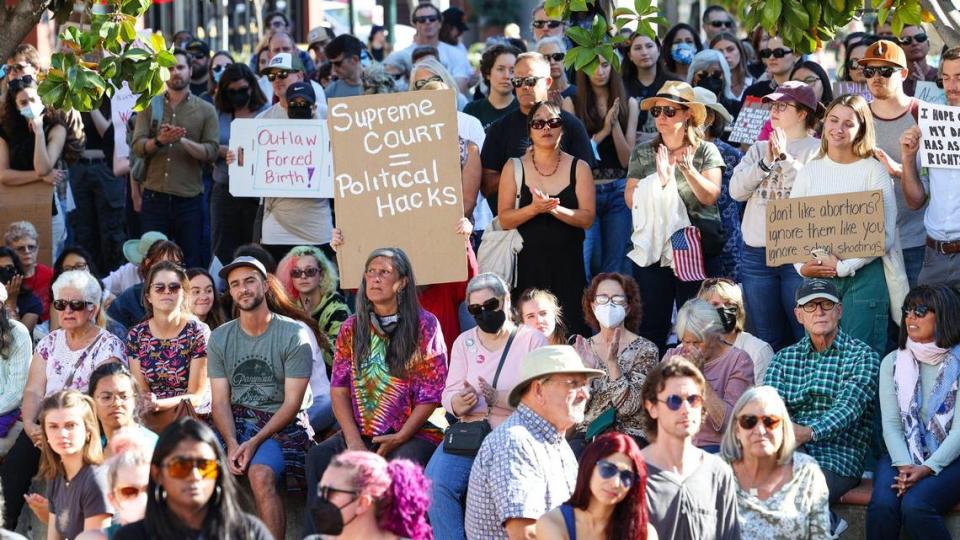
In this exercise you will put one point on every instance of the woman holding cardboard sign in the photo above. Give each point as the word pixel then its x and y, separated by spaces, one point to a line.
pixel 846 164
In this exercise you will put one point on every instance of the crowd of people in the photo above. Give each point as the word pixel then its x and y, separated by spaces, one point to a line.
pixel 190 362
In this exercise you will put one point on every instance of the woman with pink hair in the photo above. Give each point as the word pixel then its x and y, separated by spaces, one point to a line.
pixel 362 496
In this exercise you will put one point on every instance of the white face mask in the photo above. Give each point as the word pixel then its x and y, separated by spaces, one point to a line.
pixel 610 315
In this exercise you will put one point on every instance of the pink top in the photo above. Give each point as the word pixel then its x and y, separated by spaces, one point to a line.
pixel 470 360
pixel 729 376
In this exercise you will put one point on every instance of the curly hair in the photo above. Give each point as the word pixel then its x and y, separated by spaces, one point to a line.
pixel 630 289
pixel 656 381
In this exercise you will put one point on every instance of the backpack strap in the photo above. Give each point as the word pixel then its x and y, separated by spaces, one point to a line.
pixel 518 178
pixel 156 110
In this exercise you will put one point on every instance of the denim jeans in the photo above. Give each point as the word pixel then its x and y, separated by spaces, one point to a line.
pixel 180 218
pixel 98 222
pixel 913 261
pixel 769 298
pixel 449 476
pixel 608 239
pixel 919 511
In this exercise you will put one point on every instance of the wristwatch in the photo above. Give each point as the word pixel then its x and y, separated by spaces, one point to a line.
pixel 157 143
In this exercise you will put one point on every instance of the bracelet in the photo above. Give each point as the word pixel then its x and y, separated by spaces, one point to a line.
pixel 763 166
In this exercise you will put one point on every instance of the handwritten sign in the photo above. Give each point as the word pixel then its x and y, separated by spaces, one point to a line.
pixel 842 88
pixel 940 143
pixel 30 202
pixel 397 182
pixel 931 93
pixel 846 225
pixel 280 158
pixel 121 107
pixel 749 123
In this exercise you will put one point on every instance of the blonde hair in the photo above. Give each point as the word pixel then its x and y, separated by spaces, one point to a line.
pixel 730 293
pixel 50 462
pixel 865 141
pixel 730 447
pixel 434 67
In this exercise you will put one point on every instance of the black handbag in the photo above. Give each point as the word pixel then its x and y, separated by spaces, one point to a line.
pixel 465 438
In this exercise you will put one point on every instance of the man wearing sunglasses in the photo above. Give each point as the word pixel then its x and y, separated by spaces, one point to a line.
pixel 343 54
pixel 427 20
pixel 544 26
pixel 717 19
pixel 199 66
pixel 828 381
pixel 916 45
pixel 884 66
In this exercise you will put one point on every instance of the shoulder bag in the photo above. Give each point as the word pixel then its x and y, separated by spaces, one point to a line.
pixel 499 248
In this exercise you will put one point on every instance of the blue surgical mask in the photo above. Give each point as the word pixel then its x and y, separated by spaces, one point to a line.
pixel 32 111
pixel 216 75
pixel 682 53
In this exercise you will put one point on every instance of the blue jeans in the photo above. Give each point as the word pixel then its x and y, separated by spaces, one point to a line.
pixel 919 511
pixel 913 261
pixel 449 475
pixel 608 239
pixel 180 218
pixel 769 298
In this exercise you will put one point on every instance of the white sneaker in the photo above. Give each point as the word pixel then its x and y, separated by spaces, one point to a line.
pixel 839 529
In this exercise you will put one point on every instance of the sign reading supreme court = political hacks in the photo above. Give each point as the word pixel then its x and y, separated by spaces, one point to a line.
pixel 397 182
pixel 846 225
pixel 280 158
pixel 940 141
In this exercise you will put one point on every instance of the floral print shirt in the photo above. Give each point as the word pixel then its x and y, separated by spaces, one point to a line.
pixel 165 363
pixel 62 361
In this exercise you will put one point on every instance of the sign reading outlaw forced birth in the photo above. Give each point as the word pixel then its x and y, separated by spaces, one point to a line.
pixel 397 182
pixel 940 141
pixel 280 158
pixel 846 225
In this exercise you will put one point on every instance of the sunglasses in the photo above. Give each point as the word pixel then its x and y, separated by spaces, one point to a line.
pixel 919 310
pixel 551 123
pixel 556 57
pixel 324 492
pixel 776 53
pixel 126 493
pixel 608 470
pixel 673 401
pixel 492 304
pixel 297 273
pixel 517 82
pixel 423 82
pixel 29 248
pixel 274 75
pixel 825 305
pixel 919 38
pixel 546 24
pixel 219 68
pixel 721 24
pixel 74 305
pixel 886 72
pixel 656 110
pixel 162 288
pixel 181 467
pixel 616 299
pixel 749 421
pixel 199 55
pixel 426 19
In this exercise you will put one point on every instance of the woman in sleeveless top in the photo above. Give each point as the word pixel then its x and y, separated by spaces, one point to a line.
pixel 609 501
pixel 554 207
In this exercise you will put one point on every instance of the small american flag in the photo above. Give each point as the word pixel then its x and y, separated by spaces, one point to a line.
pixel 687 255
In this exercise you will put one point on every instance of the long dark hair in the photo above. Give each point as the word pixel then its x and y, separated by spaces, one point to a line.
pixel 14 125
pixel 223 519
pixel 629 518
pixel 405 340
pixel 585 100
pixel 668 61
pixel 166 266
pixel 817 70
pixel 80 252
pixel 215 317
pixel 944 301
pixel 628 69
pixel 231 74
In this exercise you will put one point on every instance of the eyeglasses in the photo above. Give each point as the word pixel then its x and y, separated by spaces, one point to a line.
pixel 552 123
pixel 182 467
pixel 919 310
pixel 782 106
pixel 811 80
pixel 749 421
pixel 423 82
pixel 74 305
pixel 919 38
pixel 27 248
pixel 324 492
pixel 163 288
pixel 493 304
pixel 78 266
pixel 886 71
pixel 517 82
pixel 721 24
pixel 426 19
pixel 656 110
pixel 540 24
pixel 126 493
pixel 274 75
pixel 373 273
pixel 608 470
pixel 776 53
pixel 108 398
pixel 604 299
pixel 825 305
pixel 571 384
pixel 297 273
pixel 556 57
pixel 673 401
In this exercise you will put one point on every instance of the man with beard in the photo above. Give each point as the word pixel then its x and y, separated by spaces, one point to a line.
pixel 199 66
pixel 884 65
pixel 176 149
pixel 525 467
pixel 259 367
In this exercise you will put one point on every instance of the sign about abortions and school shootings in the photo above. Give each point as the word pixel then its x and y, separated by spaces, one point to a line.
pixel 280 158
pixel 397 182
pixel 846 225
pixel 940 142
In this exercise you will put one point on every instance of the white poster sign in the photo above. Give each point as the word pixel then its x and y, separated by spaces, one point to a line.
pixel 940 141
pixel 121 107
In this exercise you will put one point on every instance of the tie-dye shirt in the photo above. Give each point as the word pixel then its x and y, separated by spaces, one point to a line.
pixel 381 402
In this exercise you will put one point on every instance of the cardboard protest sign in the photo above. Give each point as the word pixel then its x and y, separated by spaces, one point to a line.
pixel 280 158
pixel 931 93
pixel 121 107
pixel 846 225
pixel 940 142
pixel 749 123
pixel 30 202
pixel 842 88
pixel 397 182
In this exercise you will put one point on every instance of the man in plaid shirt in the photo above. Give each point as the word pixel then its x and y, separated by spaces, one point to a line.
pixel 829 382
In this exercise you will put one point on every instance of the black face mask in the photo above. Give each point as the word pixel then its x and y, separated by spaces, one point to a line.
pixel 299 112
pixel 490 321
pixel 728 315
pixel 387 324
pixel 713 84
pixel 7 273
pixel 238 98
pixel 327 518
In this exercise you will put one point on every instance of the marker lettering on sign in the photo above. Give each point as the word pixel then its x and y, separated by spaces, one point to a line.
pixel 371 117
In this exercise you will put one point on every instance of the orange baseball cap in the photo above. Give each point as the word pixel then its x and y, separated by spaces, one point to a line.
pixel 885 51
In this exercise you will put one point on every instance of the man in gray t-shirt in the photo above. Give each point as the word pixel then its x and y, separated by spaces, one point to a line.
pixel 344 55
pixel 259 367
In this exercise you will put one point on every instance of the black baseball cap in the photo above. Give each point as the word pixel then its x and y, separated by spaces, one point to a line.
pixel 456 17
pixel 301 89
pixel 814 288
pixel 198 45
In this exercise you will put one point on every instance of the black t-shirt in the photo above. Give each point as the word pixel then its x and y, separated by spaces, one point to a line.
pixel 95 141
pixel 198 89
pixel 138 531
pixel 758 89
